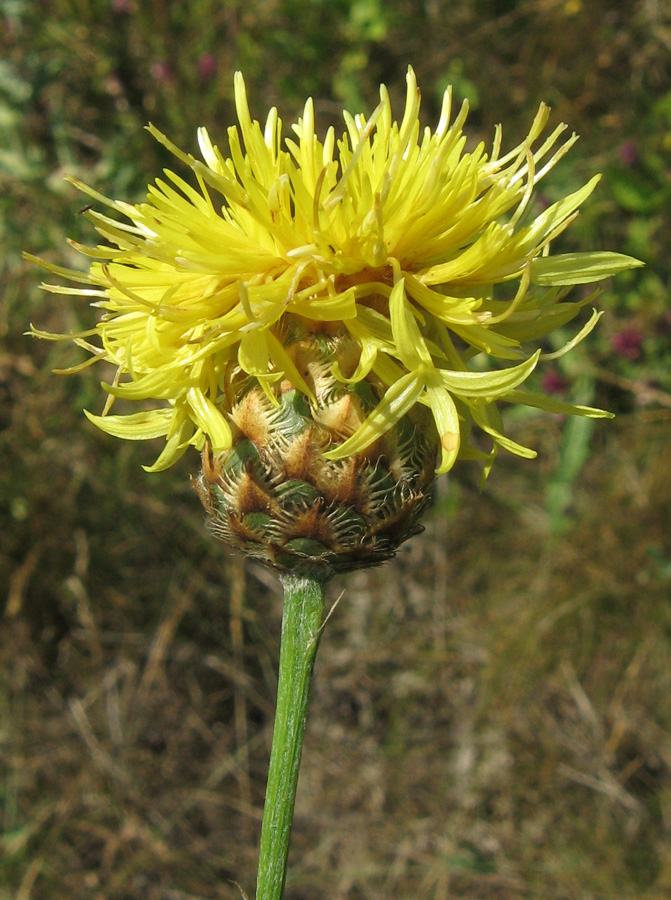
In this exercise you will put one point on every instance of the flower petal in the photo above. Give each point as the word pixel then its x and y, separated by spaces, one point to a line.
pixel 410 346
pixel 209 418
pixel 140 426
pixel 551 404
pixel 447 423
pixel 580 268
pixel 488 385
pixel 397 401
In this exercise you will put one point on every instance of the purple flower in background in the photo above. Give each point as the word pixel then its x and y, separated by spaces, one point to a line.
pixel 627 342
pixel 554 382
pixel 628 153
pixel 542 201
pixel 160 71
pixel 207 66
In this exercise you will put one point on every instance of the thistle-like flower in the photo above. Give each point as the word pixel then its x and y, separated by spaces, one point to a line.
pixel 326 321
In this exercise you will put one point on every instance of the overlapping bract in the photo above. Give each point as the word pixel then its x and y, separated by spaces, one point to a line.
pixel 428 253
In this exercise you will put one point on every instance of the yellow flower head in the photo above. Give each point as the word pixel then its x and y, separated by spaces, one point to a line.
pixel 429 255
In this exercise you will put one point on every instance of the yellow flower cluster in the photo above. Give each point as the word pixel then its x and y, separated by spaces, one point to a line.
pixel 429 254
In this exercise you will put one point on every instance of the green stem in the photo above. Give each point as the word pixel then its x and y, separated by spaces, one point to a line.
pixel 302 620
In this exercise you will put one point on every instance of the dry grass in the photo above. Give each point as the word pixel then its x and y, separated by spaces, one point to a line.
pixel 490 718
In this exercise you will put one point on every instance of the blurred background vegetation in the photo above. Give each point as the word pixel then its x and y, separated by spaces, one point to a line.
pixel 492 712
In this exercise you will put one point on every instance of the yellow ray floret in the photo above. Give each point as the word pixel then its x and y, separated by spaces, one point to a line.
pixel 430 255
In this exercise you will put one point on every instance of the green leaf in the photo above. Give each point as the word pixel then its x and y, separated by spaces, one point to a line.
pixel 638 193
